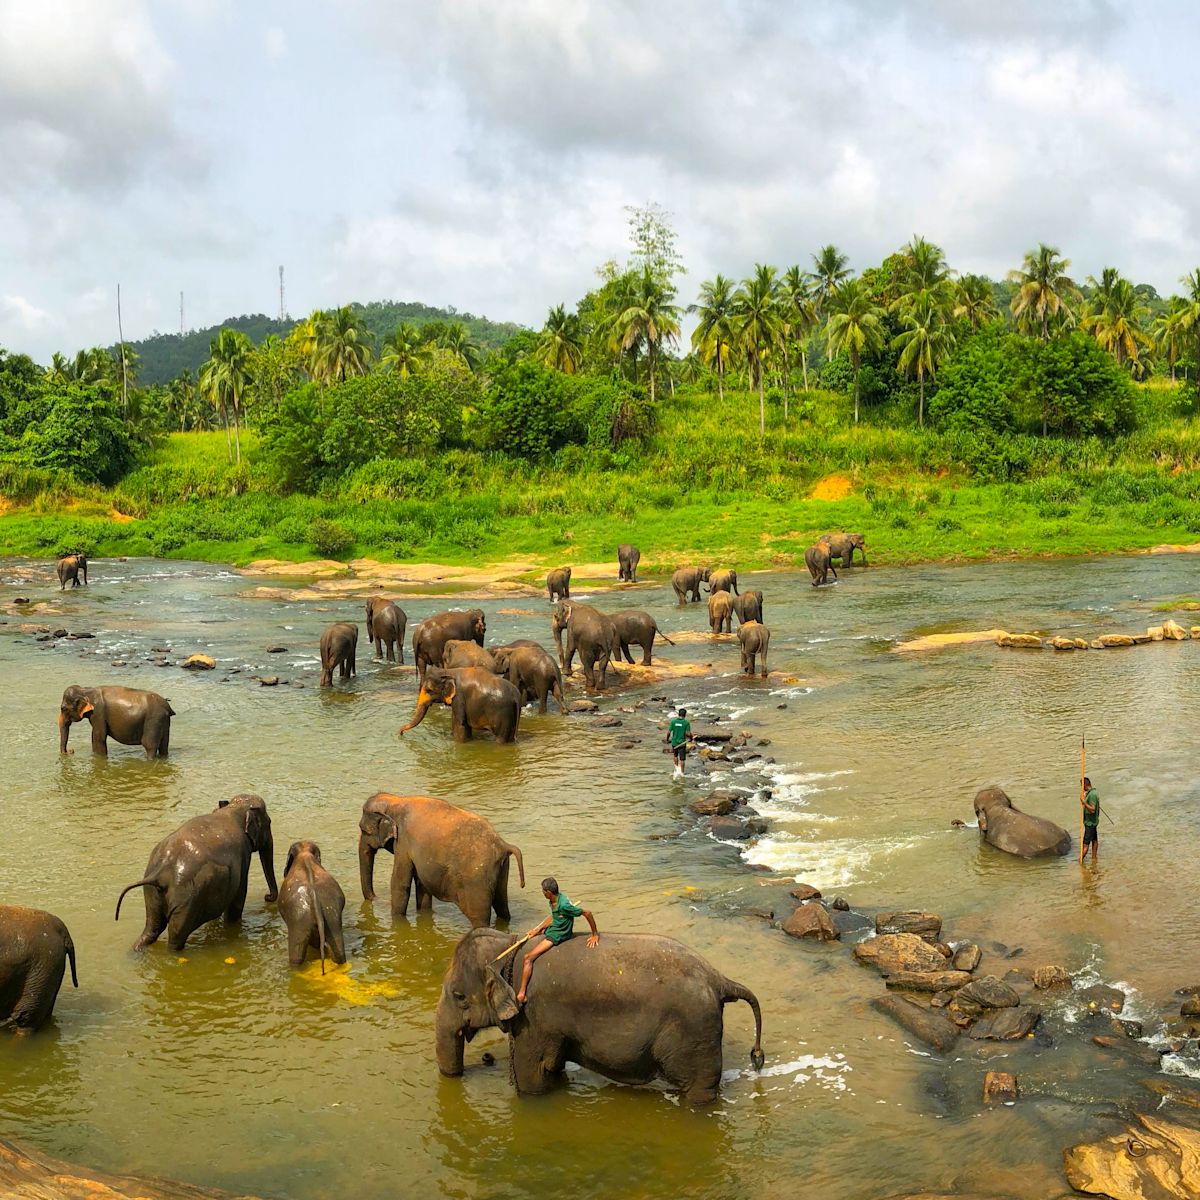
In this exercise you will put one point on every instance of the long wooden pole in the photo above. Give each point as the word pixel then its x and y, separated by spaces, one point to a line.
pixel 1082 794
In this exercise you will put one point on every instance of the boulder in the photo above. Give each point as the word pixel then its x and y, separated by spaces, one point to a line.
pixel 810 921
pixel 1109 640
pixel 924 925
pixel 277 649
pixel 608 722
pixel 1101 997
pixel 582 706
pixel 711 735
pixel 1190 1007
pixel 980 996
pixel 805 891
pixel 925 1024
pixel 735 829
pixel 1155 633
pixel 966 958
pixel 892 953
pixel 712 805
pixel 1019 641
pixel 1064 643
pixel 1007 828
pixel 927 981
pixel 1006 1024
pixel 198 662
pixel 1174 632
pixel 999 1087
pixel 840 904
pixel 1051 976
pixel 268 681
pixel 1195 631
pixel 1135 1051
pixel 1144 639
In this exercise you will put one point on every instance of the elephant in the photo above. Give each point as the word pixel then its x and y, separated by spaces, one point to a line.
pixel 634 1008
pixel 686 583
pixel 34 948
pixel 637 628
pixel 386 622
pixel 816 559
pixel 431 635
pixel 450 853
pixel 127 715
pixel 532 671
pixel 1006 827
pixel 458 653
pixel 720 612
pixel 843 545
pixel 628 558
pixel 70 567
pixel 722 581
pixel 202 871
pixel 477 700
pixel 590 632
pixel 339 646
pixel 755 638
pixel 748 606
pixel 558 584
pixel 311 903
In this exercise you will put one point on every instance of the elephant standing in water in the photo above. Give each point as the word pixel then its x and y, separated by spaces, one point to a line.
pixel 686 583
pixel 339 646
pixel 311 903
pixel 431 635
pixel 477 699
pixel 637 628
pixel 843 546
pixel 458 653
pixel 70 567
pixel 636 1007
pixel 386 622
pixel 1006 827
pixel 34 948
pixel 450 854
pixel 127 715
pixel 755 638
pixel 202 871
pixel 532 671
pixel 723 581
pixel 590 632
pixel 816 559
pixel 558 584
pixel 748 606
pixel 720 612
pixel 628 558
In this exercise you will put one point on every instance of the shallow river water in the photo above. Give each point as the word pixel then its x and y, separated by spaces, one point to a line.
pixel 222 1067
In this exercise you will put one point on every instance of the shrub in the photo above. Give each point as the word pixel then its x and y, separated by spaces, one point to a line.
pixel 82 432
pixel 329 539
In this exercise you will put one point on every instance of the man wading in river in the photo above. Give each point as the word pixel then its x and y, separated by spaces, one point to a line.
pixel 558 926
pixel 678 730
pixel 1091 821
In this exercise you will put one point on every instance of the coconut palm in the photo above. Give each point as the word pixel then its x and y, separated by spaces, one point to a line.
pixel 799 317
pixel 830 269
pixel 59 369
pixel 342 345
pixel 1115 316
pixel 854 325
pixel 1170 336
pixel 643 314
pixel 975 302
pixel 925 268
pixel 456 338
pixel 1188 316
pixel 714 337
pixel 181 398
pixel 225 377
pixel 560 344
pixel 924 342
pixel 759 322
pixel 1045 291
pixel 404 351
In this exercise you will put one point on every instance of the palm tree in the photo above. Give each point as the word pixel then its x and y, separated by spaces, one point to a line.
pixel 306 338
pixel 59 369
pixel 1189 312
pixel 854 325
pixel 800 318
pixel 457 339
pixel 759 323
pixel 830 269
pixel 925 267
pixel 404 351
pixel 974 301
pixel 644 314
pixel 714 337
pixel 225 377
pixel 181 398
pixel 924 342
pixel 1045 291
pixel 1170 337
pixel 1114 316
pixel 342 348
pixel 560 344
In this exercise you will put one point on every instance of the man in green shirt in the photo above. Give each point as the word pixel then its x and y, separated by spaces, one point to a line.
pixel 1091 821
pixel 558 927
pixel 678 730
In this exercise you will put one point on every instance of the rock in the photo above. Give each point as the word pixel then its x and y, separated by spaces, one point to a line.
pixel 1155 633
pixel 1174 632
pixel 1195 631
pixel 763 742
pixel 298 683
pixel 957 824
pixel 1006 1024
pixel 784 705
pixel 1129 1029
pixel 980 996
pixel 118 662
pixel 711 805
pixel 160 649
pixel 1143 639
pixel 1109 640
pixel 761 911
pixel 711 735
pixel 1048 977
pixel 840 904
pixel 927 981
pixel 1064 643
pixel 80 637
pixel 268 681
pixel 735 829
pixel 805 891
pixel 892 953
pixel 1190 1007
pixel 59 633
pixel 1127 1048
pixel 608 722
pixel 1150 1160
pixel 923 924
pixel 940 999
pixel 277 649
pixel 21 600
pixel 928 1026
pixel 1019 641
pixel 1100 996
pixel 583 706
pixel 626 743
pixel 1173 1090
pixel 810 921
pixel 999 1087
pixel 966 958
pixel 198 662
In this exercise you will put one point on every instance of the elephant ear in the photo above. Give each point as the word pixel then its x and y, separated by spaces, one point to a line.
pixel 222 804
pixel 291 858
pixel 502 1000
pixel 85 708
pixel 449 694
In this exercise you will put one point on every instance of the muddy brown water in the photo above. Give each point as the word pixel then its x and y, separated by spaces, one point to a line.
pixel 221 1067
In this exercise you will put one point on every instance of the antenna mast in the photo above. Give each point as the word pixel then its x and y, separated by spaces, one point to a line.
pixel 181 314
pixel 282 310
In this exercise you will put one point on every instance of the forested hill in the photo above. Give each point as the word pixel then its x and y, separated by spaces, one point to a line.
pixel 164 355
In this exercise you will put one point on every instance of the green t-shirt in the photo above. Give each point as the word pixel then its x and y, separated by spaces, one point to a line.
pixel 678 730
pixel 1091 809
pixel 564 914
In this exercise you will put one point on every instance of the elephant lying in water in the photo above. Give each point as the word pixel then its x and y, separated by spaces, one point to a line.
pixel 34 948
pixel 1015 832
pixel 637 1007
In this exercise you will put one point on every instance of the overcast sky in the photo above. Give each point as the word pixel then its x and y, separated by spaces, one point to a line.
pixel 479 152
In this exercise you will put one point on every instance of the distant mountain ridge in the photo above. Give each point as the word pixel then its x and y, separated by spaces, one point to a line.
pixel 163 355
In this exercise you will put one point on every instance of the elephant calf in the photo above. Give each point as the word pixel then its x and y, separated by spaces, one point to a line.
pixel 817 560
pixel 628 558
pixel 686 583
pixel 843 546
pixel 34 948
pixel 558 584
pixel 127 715
pixel 459 653
pixel 720 612
pixel 311 903
pixel 532 671
pixel 637 628
pixel 748 606
pixel 723 581
pixel 386 622
pixel 755 638
pixel 339 647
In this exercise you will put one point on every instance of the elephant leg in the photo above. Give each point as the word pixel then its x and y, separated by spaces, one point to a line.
pixel 542 691
pixel 335 940
pixel 424 898
pixel 689 1065
pixel 537 1063
pixel 625 652
pixel 99 736
pixel 500 894
pixel 402 879
pixel 391 651
pixel 647 647
pixel 156 917
pixel 182 924
pixel 299 939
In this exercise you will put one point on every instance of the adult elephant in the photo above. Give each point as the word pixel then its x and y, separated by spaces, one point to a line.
pixel 816 559
pixel 628 558
pixel 723 581
pixel 843 546
pixel 202 870
pixel 558 584
pixel 311 902
pixel 127 715
pixel 532 671
pixel 477 699
pixel 70 567
pixel 637 628
pixel 590 632
pixel 459 653
pixel 339 648
pixel 748 606
pixel 386 623
pixel 686 583
pixel 430 637
pixel 754 638
pixel 449 853
pixel 720 612
pixel 34 948
pixel 634 1008
pixel 1003 825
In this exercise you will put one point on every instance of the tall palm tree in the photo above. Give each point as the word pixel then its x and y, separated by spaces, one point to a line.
pixel 59 369
pixel 714 337
pixel 925 268
pixel 404 351
pixel 759 323
pixel 854 325
pixel 1189 312
pixel 225 377
pixel 830 269
pixel 1045 291
pixel 1170 336
pixel 342 348
pixel 974 301
pixel 457 339
pixel 924 342
pixel 644 315
pixel 1115 316
pixel 799 316
pixel 560 344
pixel 306 338
pixel 181 398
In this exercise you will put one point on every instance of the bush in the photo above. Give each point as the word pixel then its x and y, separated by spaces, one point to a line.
pixel 526 412
pixel 329 539
pixel 80 431
pixel 1073 387
pixel 977 387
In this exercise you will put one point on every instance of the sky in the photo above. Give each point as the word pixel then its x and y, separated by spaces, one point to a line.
pixel 481 153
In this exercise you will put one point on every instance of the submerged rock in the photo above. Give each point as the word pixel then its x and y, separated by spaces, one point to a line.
pixel 967 958
pixel 928 1025
pixel 198 662
pixel 999 1087
pixel 1051 976
pixel 712 805
pixel 1006 1024
pixel 1101 996
pixel 927 981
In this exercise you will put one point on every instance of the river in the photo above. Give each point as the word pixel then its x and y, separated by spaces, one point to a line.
pixel 222 1067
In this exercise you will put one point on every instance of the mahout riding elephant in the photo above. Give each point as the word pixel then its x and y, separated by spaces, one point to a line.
pixel 628 558
pixel 386 622
pixel 637 628
pixel 532 671
pixel 202 870
pixel 720 612
pixel 339 648
pixel 459 653
pixel 748 606
pixel 311 903
pixel 34 948
pixel 755 638
pixel 722 581
pixel 816 559
pixel 127 715
pixel 70 567
pixel 686 583
pixel 558 584
pixel 431 635
pixel 843 546
pixel 477 699
pixel 635 1007
pixel 1003 825
pixel 451 855
pixel 590 632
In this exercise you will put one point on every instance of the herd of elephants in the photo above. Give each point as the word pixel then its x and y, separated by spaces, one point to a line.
pixel 637 1007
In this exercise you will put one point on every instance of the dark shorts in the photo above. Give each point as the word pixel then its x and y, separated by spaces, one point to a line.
pixel 1091 833
pixel 558 941
pixel 680 751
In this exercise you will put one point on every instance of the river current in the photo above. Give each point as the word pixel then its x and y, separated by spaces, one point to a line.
pixel 220 1066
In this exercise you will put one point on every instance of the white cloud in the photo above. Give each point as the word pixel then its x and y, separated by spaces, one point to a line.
pixel 275 44
pixel 23 313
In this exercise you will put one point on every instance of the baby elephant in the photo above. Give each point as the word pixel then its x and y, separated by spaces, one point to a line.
pixel 755 638
pixel 311 903
pixel 339 644
pixel 34 948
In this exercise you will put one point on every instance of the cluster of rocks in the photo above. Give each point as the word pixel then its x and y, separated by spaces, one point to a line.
pixel 1168 631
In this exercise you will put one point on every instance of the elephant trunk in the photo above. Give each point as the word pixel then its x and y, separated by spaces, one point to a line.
pixel 424 700
pixel 450 1043
pixel 64 731
pixel 266 856
pixel 366 867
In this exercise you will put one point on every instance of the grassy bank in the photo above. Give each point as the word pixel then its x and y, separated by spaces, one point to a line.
pixel 703 489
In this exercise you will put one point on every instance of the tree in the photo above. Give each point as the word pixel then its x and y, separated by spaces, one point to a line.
pixel 404 351
pixel 924 343
pixel 830 269
pixel 1044 292
pixel 643 315
pixel 81 431
pixel 1077 387
pixel 654 243
pixel 342 347
pixel 181 399
pixel 759 322
pixel 1170 336
pixel 1188 315
pixel 225 377
pixel 714 337
pixel 800 318
pixel 923 269
pixel 975 302
pixel 854 325
pixel 560 344
pixel 1114 316
pixel 457 340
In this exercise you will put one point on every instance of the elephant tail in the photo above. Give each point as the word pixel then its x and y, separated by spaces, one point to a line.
pixel 320 914
pixel 170 711
pixel 515 851
pixel 140 883
pixel 736 991
pixel 662 635
pixel 70 945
